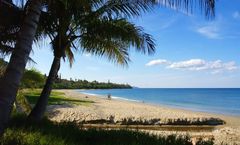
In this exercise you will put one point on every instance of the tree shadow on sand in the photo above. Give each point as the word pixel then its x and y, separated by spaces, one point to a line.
pixel 59 100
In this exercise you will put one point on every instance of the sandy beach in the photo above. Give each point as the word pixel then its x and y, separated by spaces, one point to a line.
pixel 121 112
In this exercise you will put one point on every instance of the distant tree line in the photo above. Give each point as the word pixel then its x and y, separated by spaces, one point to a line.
pixel 84 84
pixel 33 78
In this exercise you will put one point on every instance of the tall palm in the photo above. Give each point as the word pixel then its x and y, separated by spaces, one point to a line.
pixel 3 65
pixel 9 85
pixel 115 35
pixel 11 80
pixel 95 34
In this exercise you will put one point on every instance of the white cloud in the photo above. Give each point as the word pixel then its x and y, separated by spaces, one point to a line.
pixel 209 31
pixel 157 62
pixel 230 66
pixel 236 15
pixel 191 64
pixel 214 67
pixel 200 64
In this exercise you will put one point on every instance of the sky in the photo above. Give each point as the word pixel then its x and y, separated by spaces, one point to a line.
pixel 191 52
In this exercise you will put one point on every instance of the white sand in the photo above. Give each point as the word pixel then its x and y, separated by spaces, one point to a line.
pixel 117 110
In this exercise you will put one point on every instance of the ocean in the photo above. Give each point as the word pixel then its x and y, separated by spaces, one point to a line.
pixel 219 101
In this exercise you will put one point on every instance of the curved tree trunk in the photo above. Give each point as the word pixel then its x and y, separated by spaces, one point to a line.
pixel 39 109
pixel 11 80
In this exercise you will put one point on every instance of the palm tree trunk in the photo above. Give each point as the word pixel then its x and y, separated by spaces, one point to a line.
pixel 11 80
pixel 38 111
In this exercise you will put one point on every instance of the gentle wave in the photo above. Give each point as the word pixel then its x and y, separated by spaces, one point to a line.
pixel 121 98
pixel 220 101
pixel 114 97
pixel 89 94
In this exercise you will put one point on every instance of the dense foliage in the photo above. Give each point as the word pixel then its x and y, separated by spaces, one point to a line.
pixel 84 84
pixel 32 79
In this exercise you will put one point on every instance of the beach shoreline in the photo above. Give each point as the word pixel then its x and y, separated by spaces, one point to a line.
pixel 231 120
pixel 109 112
pixel 193 99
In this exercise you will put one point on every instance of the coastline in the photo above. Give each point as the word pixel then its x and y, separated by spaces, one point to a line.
pixel 208 100
pixel 114 110
pixel 230 119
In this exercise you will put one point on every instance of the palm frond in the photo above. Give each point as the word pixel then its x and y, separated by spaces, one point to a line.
pixel 130 8
pixel 206 6
pixel 102 25
pixel 122 30
pixel 70 55
pixel 5 49
pixel 114 38
pixel 113 50
pixel 124 8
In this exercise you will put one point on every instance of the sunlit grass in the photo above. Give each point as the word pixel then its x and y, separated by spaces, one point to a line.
pixel 56 98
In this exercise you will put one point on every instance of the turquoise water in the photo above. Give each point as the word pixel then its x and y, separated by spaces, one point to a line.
pixel 221 101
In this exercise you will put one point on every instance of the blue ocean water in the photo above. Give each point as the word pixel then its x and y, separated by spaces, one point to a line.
pixel 220 101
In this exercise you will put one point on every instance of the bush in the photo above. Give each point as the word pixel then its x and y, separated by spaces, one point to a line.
pixel 32 79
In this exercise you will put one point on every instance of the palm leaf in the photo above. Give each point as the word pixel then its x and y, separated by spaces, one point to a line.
pixel 130 8
pixel 206 6
pixel 113 50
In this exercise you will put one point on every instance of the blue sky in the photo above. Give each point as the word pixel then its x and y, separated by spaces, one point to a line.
pixel 191 52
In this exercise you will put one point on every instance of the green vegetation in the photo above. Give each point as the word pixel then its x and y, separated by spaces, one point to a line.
pixel 46 132
pixel 56 98
pixel 32 79
pixel 95 27
pixel 109 34
pixel 22 104
pixel 84 84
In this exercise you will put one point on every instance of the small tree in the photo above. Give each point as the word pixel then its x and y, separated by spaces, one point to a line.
pixel 32 79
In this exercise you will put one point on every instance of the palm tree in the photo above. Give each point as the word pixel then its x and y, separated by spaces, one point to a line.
pixel 3 65
pixel 109 29
pixel 11 80
pixel 95 34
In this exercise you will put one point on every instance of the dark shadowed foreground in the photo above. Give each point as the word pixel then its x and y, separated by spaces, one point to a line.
pixel 50 133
